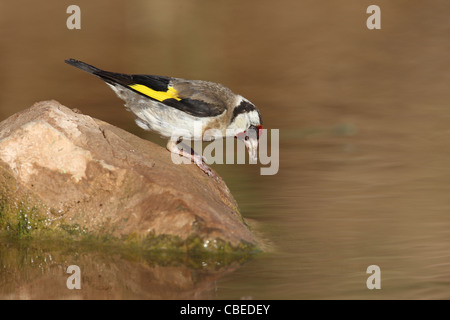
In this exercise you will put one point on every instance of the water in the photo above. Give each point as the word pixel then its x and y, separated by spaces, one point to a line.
pixel 364 141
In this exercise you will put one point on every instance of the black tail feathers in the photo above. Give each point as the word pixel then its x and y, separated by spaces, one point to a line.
pixel 83 66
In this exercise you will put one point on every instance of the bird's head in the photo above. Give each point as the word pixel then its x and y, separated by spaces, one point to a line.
pixel 251 140
pixel 246 125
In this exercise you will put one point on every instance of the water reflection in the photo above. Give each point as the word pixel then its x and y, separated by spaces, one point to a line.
pixel 37 270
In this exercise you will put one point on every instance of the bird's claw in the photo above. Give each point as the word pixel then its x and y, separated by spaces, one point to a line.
pixel 206 169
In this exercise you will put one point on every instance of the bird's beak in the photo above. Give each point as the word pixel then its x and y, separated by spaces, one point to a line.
pixel 252 146
pixel 251 140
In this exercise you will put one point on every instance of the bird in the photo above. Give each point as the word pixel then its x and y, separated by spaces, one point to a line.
pixel 173 106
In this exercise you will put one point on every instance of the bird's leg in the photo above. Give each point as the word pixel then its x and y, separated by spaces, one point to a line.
pixel 189 153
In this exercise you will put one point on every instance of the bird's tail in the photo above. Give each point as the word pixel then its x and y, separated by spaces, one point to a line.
pixel 83 66
pixel 112 78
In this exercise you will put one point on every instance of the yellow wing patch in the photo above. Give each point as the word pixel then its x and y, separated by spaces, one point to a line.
pixel 171 93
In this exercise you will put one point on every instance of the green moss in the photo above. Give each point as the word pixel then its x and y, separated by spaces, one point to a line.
pixel 24 217
pixel 20 219
pixel 196 245
pixel 73 229
pixel 33 251
pixel 2 213
pixel 23 220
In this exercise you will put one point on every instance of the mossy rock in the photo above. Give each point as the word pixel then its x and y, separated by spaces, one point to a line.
pixel 64 175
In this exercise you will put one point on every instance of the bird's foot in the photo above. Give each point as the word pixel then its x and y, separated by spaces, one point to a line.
pixel 199 161
pixel 193 156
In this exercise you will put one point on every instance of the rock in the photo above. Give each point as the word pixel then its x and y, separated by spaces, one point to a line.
pixel 65 174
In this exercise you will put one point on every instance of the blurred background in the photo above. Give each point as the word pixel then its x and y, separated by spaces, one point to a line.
pixel 364 135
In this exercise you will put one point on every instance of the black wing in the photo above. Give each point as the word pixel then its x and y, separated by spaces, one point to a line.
pixel 192 97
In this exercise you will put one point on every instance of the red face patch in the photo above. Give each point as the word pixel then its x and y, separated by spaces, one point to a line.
pixel 260 130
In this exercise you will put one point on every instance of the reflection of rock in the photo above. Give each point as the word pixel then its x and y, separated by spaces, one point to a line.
pixel 65 172
pixel 38 271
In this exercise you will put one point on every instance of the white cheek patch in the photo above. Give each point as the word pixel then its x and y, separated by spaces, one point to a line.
pixel 241 121
pixel 253 116
pixel 240 124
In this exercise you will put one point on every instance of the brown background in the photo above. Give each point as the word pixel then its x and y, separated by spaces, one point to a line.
pixel 363 116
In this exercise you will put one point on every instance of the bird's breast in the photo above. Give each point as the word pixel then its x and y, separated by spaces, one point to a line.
pixel 173 123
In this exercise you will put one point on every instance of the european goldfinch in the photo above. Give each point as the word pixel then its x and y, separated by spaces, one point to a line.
pixel 173 106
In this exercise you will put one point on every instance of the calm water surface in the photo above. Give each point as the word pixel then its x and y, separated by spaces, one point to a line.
pixel 364 125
